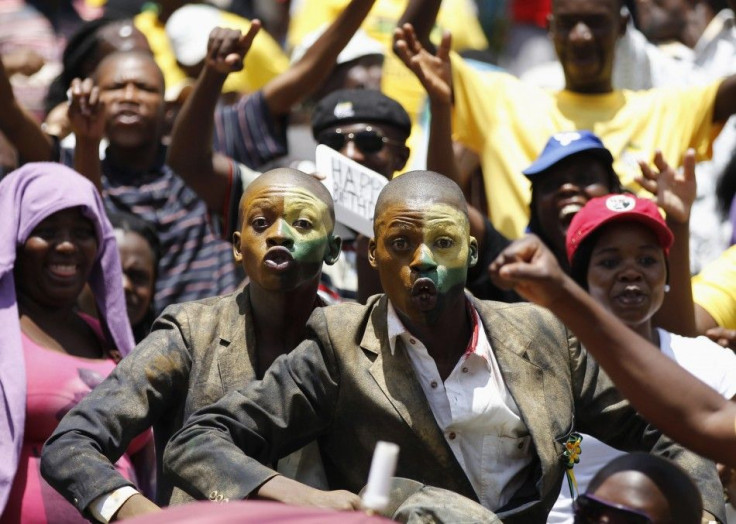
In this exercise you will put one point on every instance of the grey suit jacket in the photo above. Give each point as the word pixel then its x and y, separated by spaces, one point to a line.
pixel 196 352
pixel 343 387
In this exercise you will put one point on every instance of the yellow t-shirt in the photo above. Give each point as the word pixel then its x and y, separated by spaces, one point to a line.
pixel 264 61
pixel 714 289
pixel 508 122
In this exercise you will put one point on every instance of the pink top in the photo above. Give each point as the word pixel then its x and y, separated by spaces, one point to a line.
pixel 56 383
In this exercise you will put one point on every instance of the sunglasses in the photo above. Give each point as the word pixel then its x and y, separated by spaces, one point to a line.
pixel 368 140
pixel 591 510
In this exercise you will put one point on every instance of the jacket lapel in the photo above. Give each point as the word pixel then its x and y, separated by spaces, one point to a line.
pixel 395 377
pixel 235 341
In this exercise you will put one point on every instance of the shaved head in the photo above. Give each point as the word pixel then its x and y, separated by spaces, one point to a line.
pixel 422 187
pixel 285 176
pixel 118 56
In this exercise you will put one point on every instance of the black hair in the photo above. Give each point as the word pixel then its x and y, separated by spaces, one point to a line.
pixel 726 188
pixel 129 223
pixel 79 59
pixel 683 496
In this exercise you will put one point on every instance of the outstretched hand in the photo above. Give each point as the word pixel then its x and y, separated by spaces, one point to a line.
pixel 530 268
pixel 86 111
pixel 433 71
pixel 226 48
pixel 675 191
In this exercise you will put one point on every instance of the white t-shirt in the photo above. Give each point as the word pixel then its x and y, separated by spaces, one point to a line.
pixel 711 363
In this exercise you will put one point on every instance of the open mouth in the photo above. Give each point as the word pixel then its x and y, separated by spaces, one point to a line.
pixel 631 296
pixel 128 117
pixel 278 258
pixel 63 270
pixel 424 293
pixel 567 212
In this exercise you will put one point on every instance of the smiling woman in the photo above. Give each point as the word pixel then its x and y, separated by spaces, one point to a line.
pixel 54 240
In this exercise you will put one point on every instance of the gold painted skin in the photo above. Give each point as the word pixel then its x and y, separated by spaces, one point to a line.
pixel 414 240
pixel 290 218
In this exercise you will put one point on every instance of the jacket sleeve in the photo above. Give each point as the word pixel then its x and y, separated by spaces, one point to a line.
pixel 224 449
pixel 603 413
pixel 78 458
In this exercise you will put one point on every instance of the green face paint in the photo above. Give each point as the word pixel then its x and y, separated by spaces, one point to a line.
pixel 422 252
pixel 285 236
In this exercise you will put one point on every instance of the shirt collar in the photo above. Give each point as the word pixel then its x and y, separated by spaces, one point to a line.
pixel 475 346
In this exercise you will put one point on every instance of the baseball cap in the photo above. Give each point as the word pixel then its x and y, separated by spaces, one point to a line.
pixel 359 46
pixel 616 208
pixel 189 28
pixel 563 145
pixel 347 106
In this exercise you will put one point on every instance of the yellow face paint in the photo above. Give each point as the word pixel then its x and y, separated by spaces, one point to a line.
pixel 285 236
pixel 422 252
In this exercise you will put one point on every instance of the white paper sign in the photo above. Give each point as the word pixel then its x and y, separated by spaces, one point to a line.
pixel 353 187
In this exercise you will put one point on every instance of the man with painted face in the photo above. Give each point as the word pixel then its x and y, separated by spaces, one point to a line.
pixel 480 396
pixel 198 351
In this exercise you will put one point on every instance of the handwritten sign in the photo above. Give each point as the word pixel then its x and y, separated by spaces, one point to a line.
pixel 353 187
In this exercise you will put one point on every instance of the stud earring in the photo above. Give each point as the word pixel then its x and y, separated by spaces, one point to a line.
pixel 667 288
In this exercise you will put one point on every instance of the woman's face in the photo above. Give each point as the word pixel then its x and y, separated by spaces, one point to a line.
pixel 564 189
pixel 627 272
pixel 139 271
pixel 55 262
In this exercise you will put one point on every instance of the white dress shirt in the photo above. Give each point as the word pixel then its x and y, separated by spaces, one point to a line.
pixel 475 411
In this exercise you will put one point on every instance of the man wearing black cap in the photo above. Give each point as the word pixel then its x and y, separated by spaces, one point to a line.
pixel 371 129
pixel 365 126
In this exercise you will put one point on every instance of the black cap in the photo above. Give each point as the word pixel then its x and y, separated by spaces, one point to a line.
pixel 348 106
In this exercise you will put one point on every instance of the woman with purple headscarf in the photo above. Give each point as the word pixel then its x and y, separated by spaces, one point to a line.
pixel 54 239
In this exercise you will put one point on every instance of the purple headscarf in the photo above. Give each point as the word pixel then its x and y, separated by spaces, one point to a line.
pixel 27 196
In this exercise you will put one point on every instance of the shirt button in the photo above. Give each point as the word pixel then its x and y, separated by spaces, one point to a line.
pixel 433 384
pixel 465 370
pixel 452 435
pixel 412 341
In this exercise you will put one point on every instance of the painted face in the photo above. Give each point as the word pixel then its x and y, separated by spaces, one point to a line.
pixel 627 272
pixel 636 491
pixel 377 147
pixel 563 190
pixel 285 237
pixel 131 87
pixel 584 33
pixel 422 252
pixel 139 272
pixel 54 263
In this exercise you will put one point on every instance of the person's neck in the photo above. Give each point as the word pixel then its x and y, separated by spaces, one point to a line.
pixel 445 335
pixel 45 315
pixel 136 158
pixel 280 319
pixel 648 331
pixel 603 87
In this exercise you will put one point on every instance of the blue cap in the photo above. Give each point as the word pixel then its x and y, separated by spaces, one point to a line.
pixel 562 145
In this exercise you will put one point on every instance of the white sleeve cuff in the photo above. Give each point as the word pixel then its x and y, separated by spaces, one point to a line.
pixel 104 507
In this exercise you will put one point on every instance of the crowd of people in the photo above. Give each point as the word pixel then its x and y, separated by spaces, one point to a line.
pixel 543 318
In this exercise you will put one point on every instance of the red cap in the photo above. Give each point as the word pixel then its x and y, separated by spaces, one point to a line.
pixel 616 208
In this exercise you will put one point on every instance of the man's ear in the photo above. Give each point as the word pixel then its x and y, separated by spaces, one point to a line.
pixel 472 252
pixel 401 158
pixel 236 248
pixel 372 253
pixel 334 243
